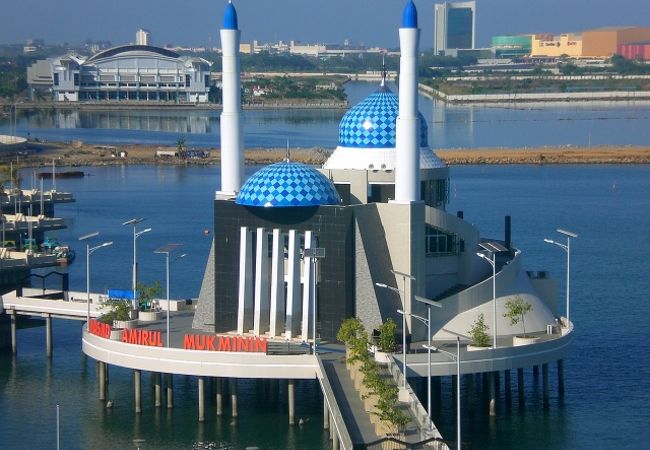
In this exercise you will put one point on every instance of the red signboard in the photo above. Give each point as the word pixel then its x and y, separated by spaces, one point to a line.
pixel 217 343
pixel 142 337
pixel 99 329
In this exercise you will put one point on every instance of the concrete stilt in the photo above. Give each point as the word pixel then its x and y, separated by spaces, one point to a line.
pixel 170 391
pixel 545 384
pixel 14 337
pixel 219 397
pixel 454 380
pixel 101 375
pixel 507 385
pixel 326 416
pixel 435 391
pixel 157 382
pixel 137 389
pixel 492 398
pixel 520 386
pixel 292 404
pixel 233 397
pixel 201 399
pixel 48 335
pixel 560 377
pixel 485 377
pixel 497 383
pixel 469 382
pixel 536 371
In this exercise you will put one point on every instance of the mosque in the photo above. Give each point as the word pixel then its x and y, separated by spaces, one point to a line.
pixel 376 209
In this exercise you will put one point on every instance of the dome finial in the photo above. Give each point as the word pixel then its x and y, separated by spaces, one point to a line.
pixel 383 70
pixel 410 15
pixel 230 17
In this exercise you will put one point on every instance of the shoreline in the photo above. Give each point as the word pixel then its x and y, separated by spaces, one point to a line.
pixel 77 154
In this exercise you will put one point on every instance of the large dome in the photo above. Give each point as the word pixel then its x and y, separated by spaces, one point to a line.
pixel 371 123
pixel 287 184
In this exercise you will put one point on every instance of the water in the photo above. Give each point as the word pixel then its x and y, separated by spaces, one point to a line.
pixel 450 126
pixel 607 374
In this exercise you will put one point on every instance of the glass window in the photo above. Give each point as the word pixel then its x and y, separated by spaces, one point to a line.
pixel 188 79
pixel 440 243
pixel 56 79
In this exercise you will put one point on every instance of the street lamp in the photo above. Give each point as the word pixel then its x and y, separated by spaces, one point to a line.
pixel 492 262
pixel 427 321
pixel 89 251
pixel 166 250
pixel 136 235
pixel 315 254
pixel 567 249
pixel 455 357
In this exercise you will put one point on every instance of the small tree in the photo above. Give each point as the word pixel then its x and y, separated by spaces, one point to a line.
pixel 478 332
pixel 516 310
pixel 147 292
pixel 387 331
pixel 117 310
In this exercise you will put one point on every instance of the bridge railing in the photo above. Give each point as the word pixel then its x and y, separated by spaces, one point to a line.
pixel 337 418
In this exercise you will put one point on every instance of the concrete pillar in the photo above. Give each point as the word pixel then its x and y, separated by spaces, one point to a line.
pixel 435 391
pixel 219 398
pixel 497 383
pixel 157 389
pixel 520 386
pixel 326 415
pixel 292 404
pixel 469 382
pixel 560 377
pixel 492 398
pixel 276 325
pixel 307 304
pixel 262 289
pixel 14 337
pixel 170 391
pixel 201 399
pixel 48 335
pixel 454 380
pixel 507 386
pixel 536 371
pixel 101 375
pixel 233 396
pixel 545 384
pixel 292 319
pixel 245 307
pixel 137 389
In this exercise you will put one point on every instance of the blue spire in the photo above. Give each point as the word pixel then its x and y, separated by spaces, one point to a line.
pixel 410 16
pixel 230 17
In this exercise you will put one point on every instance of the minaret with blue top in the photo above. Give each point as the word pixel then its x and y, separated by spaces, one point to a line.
pixel 407 148
pixel 232 140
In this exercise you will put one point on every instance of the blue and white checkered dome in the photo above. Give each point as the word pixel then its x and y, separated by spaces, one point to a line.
pixel 287 184
pixel 372 123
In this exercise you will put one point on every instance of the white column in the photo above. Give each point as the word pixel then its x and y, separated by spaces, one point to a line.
pixel 407 133
pixel 244 311
pixel 277 285
pixel 232 142
pixel 307 296
pixel 261 322
pixel 293 286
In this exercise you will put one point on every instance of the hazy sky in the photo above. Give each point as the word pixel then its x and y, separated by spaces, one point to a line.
pixel 196 22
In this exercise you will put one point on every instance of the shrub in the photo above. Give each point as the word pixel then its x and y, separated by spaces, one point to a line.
pixel 387 331
pixel 478 332
pixel 516 310
pixel 117 310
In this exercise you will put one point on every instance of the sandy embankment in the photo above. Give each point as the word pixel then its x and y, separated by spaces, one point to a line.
pixel 79 154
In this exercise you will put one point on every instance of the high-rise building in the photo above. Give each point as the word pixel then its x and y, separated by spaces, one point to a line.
pixel 455 26
pixel 142 37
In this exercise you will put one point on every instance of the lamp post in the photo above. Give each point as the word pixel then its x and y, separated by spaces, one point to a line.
pixel 567 249
pixel 166 250
pixel 455 357
pixel 136 235
pixel 492 262
pixel 89 251
pixel 315 254
pixel 429 304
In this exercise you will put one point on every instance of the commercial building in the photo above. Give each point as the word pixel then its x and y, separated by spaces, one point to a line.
pixel 455 26
pixel 130 72
pixel 512 46
pixel 635 50
pixel 604 42
pixel 142 37
pixel 549 45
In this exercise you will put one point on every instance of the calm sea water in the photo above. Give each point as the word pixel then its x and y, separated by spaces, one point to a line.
pixel 607 375
pixel 450 126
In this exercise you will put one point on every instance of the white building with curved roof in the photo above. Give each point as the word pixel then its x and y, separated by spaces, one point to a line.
pixel 131 73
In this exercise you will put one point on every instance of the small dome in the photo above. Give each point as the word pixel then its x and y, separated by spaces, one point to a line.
pixel 372 123
pixel 287 184
pixel 230 17
pixel 410 16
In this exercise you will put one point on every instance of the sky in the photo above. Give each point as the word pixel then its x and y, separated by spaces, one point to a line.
pixel 371 22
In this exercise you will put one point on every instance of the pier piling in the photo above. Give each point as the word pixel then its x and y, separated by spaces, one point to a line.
pixel 170 391
pixel 157 389
pixel 219 397
pixel 326 415
pixel 233 397
pixel 101 375
pixel 507 386
pixel 14 337
pixel 545 384
pixel 201 399
pixel 520 386
pixel 560 377
pixel 48 335
pixel 491 383
pixel 292 405
pixel 137 389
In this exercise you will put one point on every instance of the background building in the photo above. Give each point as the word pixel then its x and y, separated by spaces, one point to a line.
pixel 603 42
pixel 142 37
pixel 554 46
pixel 512 46
pixel 635 50
pixel 455 26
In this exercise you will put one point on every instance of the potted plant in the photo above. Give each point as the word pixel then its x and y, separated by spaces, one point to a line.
pixel 478 333
pixel 149 310
pixel 118 316
pixel 516 310
pixel 386 342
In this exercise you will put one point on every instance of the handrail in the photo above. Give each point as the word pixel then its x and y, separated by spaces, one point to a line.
pixel 328 393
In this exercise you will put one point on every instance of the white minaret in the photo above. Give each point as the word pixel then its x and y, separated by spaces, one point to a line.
pixel 407 132
pixel 232 140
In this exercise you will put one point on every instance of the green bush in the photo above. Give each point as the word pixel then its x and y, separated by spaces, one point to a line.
pixel 478 332
pixel 386 341
pixel 118 310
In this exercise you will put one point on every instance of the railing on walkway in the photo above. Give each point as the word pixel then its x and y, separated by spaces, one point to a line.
pixel 391 443
pixel 340 430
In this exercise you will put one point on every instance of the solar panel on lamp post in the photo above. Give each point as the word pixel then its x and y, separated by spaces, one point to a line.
pixel 429 304
pixel 89 251
pixel 136 235
pixel 567 249
pixel 492 262
pixel 166 250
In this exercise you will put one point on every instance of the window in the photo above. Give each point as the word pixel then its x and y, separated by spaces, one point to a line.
pixel 56 79
pixel 439 243
pixel 188 79
pixel 435 193
pixel 76 79
pixel 206 80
